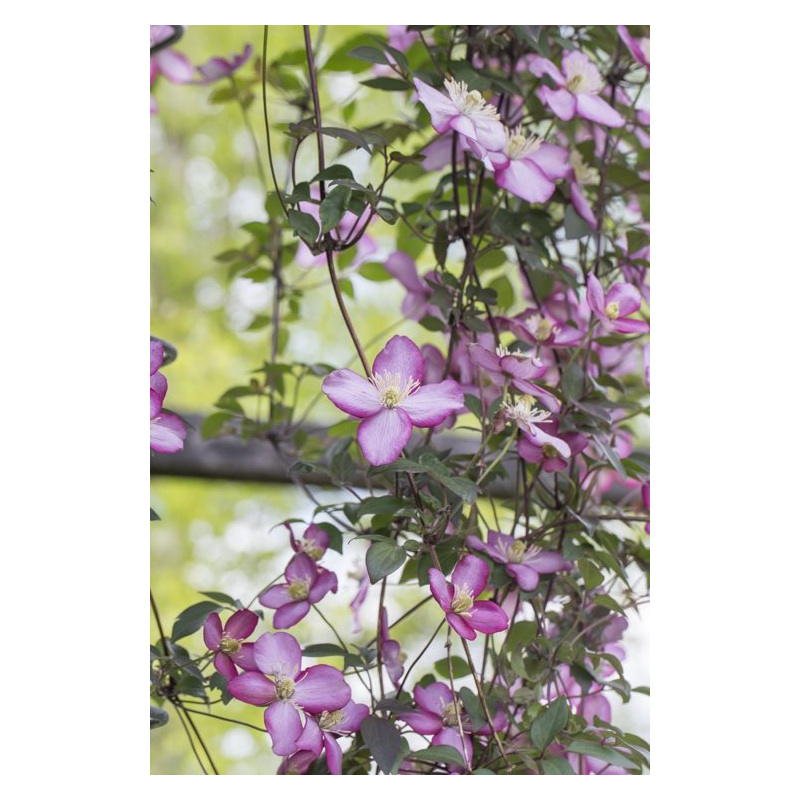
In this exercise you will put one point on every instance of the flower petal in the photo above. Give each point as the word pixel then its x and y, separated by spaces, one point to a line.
pixel 326 582
pixel 212 631
pixel 311 737
pixel 156 356
pixel 224 665
pixel 241 624
pixel 400 356
pixel 333 754
pixel 276 596
pixel 460 626
pixel 547 561
pixel 539 65
pixel 283 723
pixel 595 706
pixel 383 436
pixel 452 737
pixel 552 160
pixel 440 107
pixel 581 204
pixel 627 296
pixel 594 295
pixel 431 404
pixel 301 568
pixel 253 688
pixel 278 654
pixel 174 66
pixel 422 722
pixel 352 393
pixel 433 697
pixel 472 573
pixel 167 433
pixel 487 617
pixel 526 577
pixel 321 688
pixel 400 265
pixel 593 107
pixel 353 714
pixel 441 590
pixel 244 658
pixel 290 614
pixel 525 179
pixel 630 326
pixel 561 102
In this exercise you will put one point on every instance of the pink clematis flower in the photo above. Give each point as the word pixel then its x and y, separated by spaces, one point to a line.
pixel 416 303
pixel 529 418
pixel 227 642
pixel 463 111
pixel 516 367
pixel 393 401
pixel 524 564
pixel 614 309
pixel 464 614
pixel 581 175
pixel 285 689
pixel 361 595
pixel 323 731
pixel 579 85
pixel 527 167
pixel 400 38
pixel 313 543
pixel 216 68
pixel 539 329
pixel 174 66
pixel 391 654
pixel 544 453
pixel 305 584
pixel 639 48
pixel 167 430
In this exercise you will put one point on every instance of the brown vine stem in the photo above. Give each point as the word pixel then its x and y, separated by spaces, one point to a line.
pixel 312 77
pixel 484 706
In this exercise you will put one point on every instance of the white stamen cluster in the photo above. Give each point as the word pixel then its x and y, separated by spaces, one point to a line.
pixel 582 77
pixel 612 309
pixel 583 172
pixel 524 410
pixel 502 351
pixel 311 548
pixel 462 601
pixel 469 103
pixel 516 552
pixel 299 589
pixel 284 688
pixel 518 145
pixel 541 327
pixel 229 645
pixel 391 390
pixel 450 713
pixel 330 719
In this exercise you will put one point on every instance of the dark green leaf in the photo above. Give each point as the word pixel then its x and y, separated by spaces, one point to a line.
pixel 153 516
pixel 305 225
pixel 191 619
pixel 383 740
pixel 600 751
pixel 158 717
pixel 473 706
pixel 575 227
pixel 549 723
pixel 371 54
pixel 220 597
pixel 381 505
pixel 383 558
pixel 460 667
pixel 557 766
pixel 332 208
pixel 386 84
pixel 322 650
pixel 592 577
pixel 440 753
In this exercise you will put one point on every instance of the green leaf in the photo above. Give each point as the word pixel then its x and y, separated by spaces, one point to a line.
pixel 473 706
pixel 214 423
pixel 332 208
pixel 322 650
pixel 592 577
pixel 383 558
pixel 609 602
pixel 383 740
pixel 460 667
pixel 191 619
pixel 387 504
pixel 483 771
pixel 557 766
pixel 572 382
pixel 386 84
pixel 371 54
pixel 158 717
pixel 549 723
pixel 521 633
pixel 153 516
pixel 220 597
pixel 505 291
pixel 355 137
pixel 600 751
pixel 333 172
pixel 374 272
pixel 575 227
pixel 305 225
pixel 440 753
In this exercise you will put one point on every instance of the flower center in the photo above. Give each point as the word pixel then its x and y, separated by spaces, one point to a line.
pixel 470 103
pixel 311 548
pixel 284 688
pixel 462 602
pixel 450 714
pixel 582 77
pixel 519 145
pixel 391 388
pixel 229 645
pixel 583 173
pixel 543 330
pixel 330 719
pixel 548 451
pixel 516 552
pixel 299 589
pixel 524 410
pixel 612 310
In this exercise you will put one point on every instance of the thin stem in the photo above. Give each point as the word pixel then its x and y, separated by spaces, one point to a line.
pixel 421 653
pixel 224 719
pixel 189 736
pixel 456 703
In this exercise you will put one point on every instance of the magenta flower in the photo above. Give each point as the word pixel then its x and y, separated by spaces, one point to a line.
pixel 526 167
pixel 639 48
pixel 545 453
pixel 515 367
pixel 361 596
pixel 464 614
pixel 538 329
pixel 392 401
pixel 529 418
pixel 216 68
pixel 297 764
pixel 579 176
pixel 400 38
pixel 416 303
pixel 285 689
pixel 646 501
pixel 391 654
pixel 524 564
pixel 579 86
pixel 227 643
pixel 305 584
pixel 313 543
pixel 174 66
pixel 463 111
pixel 323 731
pixel 167 430
pixel 614 309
